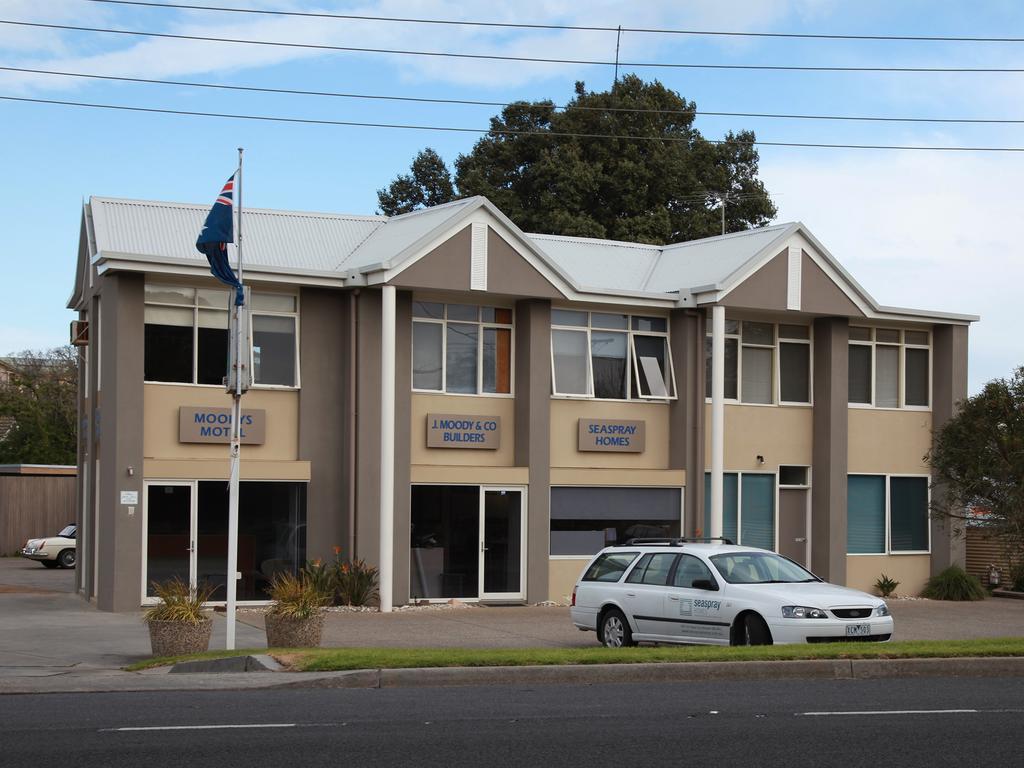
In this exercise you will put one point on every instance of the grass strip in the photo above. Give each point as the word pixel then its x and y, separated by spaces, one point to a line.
pixel 342 659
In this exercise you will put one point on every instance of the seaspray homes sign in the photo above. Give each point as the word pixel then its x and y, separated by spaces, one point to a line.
pixel 611 435
pixel 213 425
pixel 445 430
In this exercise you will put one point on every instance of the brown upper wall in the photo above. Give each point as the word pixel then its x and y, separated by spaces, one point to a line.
pixel 819 295
pixel 447 268
pixel 765 289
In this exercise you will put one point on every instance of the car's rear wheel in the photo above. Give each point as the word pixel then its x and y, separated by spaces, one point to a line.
pixel 754 631
pixel 614 631
pixel 66 558
pixel 49 563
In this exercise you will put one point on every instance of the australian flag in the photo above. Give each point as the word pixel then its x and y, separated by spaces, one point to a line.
pixel 218 231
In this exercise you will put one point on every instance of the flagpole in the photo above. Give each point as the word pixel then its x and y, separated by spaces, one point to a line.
pixel 236 439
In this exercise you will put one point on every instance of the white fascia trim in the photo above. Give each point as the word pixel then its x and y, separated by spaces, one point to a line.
pixel 124 262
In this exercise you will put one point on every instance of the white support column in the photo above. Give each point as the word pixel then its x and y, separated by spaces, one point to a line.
pixel 387 446
pixel 717 416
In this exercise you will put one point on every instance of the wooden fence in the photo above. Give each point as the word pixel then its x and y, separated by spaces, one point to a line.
pixel 983 550
pixel 34 505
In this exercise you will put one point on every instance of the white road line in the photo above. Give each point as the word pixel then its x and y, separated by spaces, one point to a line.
pixel 199 727
pixel 892 712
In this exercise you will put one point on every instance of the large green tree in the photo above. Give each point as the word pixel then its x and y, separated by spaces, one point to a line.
pixel 978 458
pixel 554 171
pixel 39 407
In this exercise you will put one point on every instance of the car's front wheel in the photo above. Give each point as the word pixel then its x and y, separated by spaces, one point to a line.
pixel 614 631
pixel 66 558
pixel 752 630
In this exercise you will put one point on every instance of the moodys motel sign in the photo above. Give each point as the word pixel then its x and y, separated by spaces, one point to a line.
pixel 213 425
pixel 460 431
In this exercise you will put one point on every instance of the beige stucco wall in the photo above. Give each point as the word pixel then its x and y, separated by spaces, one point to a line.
pixel 911 571
pixel 502 407
pixel 565 416
pixel 160 423
pixel 889 441
pixel 781 434
pixel 562 575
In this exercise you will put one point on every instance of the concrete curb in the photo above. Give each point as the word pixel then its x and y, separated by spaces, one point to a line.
pixel 838 669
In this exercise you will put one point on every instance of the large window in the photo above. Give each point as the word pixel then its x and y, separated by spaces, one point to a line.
pixel 585 520
pixel 186 336
pixel 764 363
pixel 886 514
pixel 889 368
pixel 610 356
pixel 461 348
pixel 748 508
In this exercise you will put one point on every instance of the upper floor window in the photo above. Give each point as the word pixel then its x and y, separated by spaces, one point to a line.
pixel 764 363
pixel 461 348
pixel 186 335
pixel 889 367
pixel 610 356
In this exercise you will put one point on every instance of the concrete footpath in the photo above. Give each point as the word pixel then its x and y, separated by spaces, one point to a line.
pixel 52 641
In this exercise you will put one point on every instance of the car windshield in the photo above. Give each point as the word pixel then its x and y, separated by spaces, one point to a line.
pixel 68 532
pixel 760 568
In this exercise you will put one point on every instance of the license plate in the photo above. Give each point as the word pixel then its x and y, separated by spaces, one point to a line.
pixel 858 630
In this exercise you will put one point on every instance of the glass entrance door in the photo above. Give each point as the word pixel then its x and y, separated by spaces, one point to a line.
pixel 501 544
pixel 170 534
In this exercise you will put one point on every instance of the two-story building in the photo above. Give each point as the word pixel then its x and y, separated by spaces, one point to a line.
pixel 477 410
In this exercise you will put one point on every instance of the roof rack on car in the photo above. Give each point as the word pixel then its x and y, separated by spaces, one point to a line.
pixel 677 541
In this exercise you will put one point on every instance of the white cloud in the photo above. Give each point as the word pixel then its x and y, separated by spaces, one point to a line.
pixel 923 230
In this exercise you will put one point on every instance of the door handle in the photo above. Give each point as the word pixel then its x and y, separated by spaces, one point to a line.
pixel 631 594
pixel 676 599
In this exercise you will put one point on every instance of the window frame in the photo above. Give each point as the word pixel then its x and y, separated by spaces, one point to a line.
pixel 889 551
pixel 776 386
pixel 901 384
pixel 482 326
pixel 197 308
pixel 633 389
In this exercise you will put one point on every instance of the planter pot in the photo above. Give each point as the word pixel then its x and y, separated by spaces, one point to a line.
pixel 287 632
pixel 176 638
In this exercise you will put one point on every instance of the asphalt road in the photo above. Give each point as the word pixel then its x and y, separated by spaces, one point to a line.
pixel 925 722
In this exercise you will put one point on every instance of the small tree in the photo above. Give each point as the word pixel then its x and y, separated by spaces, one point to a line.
pixel 978 458
pixel 40 401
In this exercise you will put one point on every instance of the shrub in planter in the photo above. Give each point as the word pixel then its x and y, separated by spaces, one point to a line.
pixel 954 583
pixel 177 624
pixel 296 617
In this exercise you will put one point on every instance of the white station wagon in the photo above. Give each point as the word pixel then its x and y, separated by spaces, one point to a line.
pixel 698 591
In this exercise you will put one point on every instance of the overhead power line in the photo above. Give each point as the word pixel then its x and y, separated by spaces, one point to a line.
pixel 503 132
pixel 497 57
pixel 568 27
pixel 478 103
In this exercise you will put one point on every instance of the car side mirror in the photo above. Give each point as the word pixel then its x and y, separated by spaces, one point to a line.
pixel 704 584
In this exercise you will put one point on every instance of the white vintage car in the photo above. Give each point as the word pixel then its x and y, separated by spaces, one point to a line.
pixel 695 591
pixel 53 551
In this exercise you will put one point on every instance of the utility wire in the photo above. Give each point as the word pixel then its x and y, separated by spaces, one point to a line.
pixel 568 27
pixel 472 102
pixel 501 132
pixel 530 59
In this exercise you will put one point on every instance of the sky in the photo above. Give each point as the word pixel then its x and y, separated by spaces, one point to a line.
pixel 920 229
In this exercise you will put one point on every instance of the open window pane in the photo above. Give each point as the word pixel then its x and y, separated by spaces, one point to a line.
pixel 860 374
pixel 908 514
pixel 757 374
pixel 651 360
pixel 865 514
pixel 572 369
pixel 426 356
pixel 168 344
pixel 795 372
pixel 497 360
pixel 273 350
pixel 917 376
pixel 887 376
pixel 608 350
pixel 461 358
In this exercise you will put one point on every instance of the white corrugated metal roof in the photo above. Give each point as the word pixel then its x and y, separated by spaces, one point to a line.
pixel 294 240
pixel 600 263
